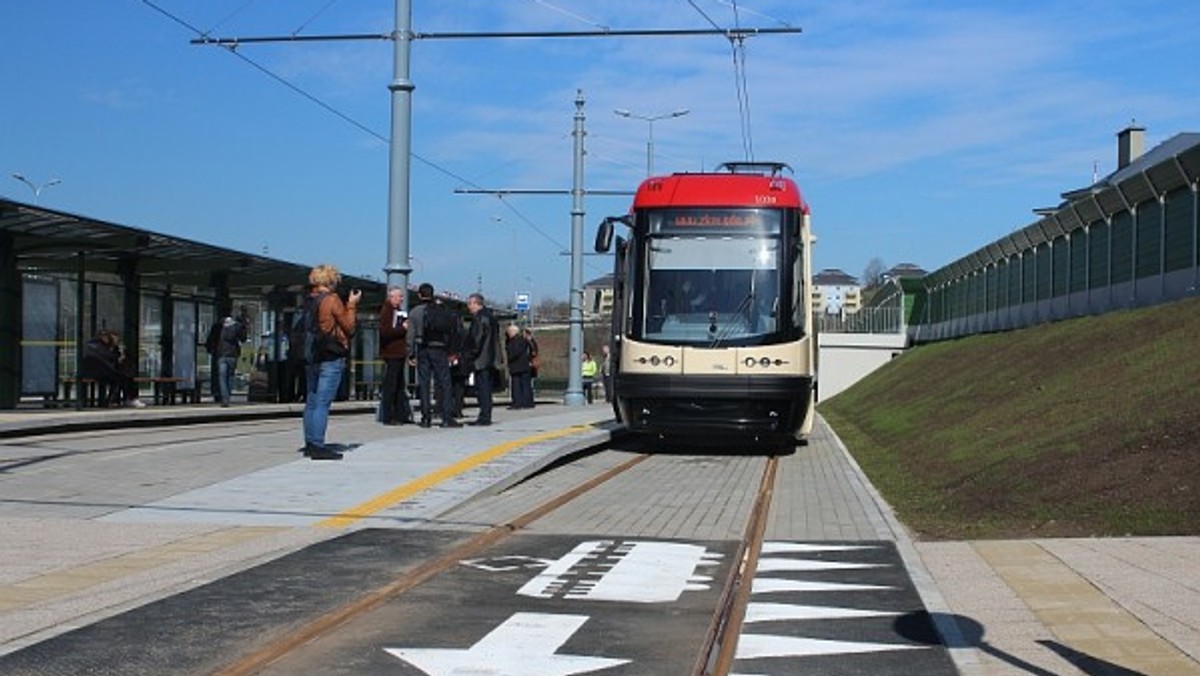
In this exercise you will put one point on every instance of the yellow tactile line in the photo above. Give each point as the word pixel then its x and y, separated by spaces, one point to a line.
pixel 385 500
pixel 62 583
pixel 1077 613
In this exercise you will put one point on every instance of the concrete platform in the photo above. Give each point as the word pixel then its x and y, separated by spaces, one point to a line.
pixel 1104 606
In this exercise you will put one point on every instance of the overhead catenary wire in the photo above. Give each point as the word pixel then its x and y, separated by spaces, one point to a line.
pixel 312 18
pixel 737 42
pixel 573 15
pixel 229 16
pixel 739 66
pixel 232 49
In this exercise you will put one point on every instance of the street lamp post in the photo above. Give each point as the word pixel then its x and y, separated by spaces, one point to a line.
pixel 650 120
pixel 37 189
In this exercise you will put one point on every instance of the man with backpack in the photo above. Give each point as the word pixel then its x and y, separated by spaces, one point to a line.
pixel 432 329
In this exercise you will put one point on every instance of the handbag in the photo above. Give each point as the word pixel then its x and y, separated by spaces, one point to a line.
pixel 329 348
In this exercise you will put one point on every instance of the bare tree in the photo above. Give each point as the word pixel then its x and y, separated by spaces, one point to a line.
pixel 872 275
pixel 553 309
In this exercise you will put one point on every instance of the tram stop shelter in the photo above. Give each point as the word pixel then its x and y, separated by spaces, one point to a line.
pixel 64 277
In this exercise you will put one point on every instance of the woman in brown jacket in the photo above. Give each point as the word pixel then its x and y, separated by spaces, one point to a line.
pixel 394 407
pixel 335 321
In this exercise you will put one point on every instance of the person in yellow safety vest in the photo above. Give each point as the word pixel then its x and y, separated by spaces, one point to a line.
pixel 589 369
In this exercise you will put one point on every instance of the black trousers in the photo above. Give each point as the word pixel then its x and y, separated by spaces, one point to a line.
pixel 394 397
pixel 483 393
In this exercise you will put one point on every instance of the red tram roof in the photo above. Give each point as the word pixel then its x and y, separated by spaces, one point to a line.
pixel 719 190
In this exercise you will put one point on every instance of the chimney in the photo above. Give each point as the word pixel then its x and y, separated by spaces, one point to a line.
pixel 1131 143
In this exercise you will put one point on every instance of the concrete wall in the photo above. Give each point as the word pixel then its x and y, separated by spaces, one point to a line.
pixel 845 358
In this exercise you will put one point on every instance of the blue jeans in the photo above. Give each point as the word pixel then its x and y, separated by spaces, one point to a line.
pixel 324 378
pixel 226 367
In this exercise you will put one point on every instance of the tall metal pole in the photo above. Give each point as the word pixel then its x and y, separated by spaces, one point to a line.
pixel 574 394
pixel 399 263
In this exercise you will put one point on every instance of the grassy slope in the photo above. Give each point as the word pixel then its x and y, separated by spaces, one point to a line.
pixel 1082 427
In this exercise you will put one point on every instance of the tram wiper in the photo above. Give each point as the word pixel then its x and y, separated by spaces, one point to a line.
pixel 741 310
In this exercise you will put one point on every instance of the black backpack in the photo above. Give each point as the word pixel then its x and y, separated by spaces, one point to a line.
pixel 439 325
pixel 306 342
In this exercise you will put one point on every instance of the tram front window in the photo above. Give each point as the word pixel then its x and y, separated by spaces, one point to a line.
pixel 710 290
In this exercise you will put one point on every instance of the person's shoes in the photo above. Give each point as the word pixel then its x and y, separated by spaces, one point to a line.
pixel 136 403
pixel 426 423
pixel 324 454
pixel 451 423
pixel 311 448
pixel 480 423
pixel 392 423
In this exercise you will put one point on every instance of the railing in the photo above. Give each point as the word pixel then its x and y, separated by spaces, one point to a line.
pixel 866 320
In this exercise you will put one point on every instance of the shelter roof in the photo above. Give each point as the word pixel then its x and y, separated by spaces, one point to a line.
pixel 47 240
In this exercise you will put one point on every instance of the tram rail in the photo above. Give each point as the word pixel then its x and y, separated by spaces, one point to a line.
pixel 716 651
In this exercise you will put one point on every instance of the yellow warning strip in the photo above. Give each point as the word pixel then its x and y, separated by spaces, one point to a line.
pixel 382 502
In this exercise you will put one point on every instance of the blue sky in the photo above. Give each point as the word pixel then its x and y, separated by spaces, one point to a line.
pixel 919 131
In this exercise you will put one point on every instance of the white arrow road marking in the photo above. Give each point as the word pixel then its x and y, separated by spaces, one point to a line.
pixel 797 547
pixel 751 646
pixel 769 612
pixel 771 565
pixel 524 644
pixel 765 585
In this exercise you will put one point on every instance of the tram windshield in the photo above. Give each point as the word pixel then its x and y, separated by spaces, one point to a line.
pixel 711 290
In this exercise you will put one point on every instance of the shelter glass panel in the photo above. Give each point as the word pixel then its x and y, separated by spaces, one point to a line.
pixel 39 337
pixel 149 358
pixel 68 312
pixel 206 315
pixel 184 343
pixel 109 309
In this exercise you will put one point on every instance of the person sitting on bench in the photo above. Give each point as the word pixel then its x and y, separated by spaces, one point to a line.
pixel 104 363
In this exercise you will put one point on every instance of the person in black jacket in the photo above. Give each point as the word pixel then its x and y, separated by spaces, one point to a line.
pixel 519 369
pixel 103 362
pixel 432 332
pixel 234 332
pixel 479 354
